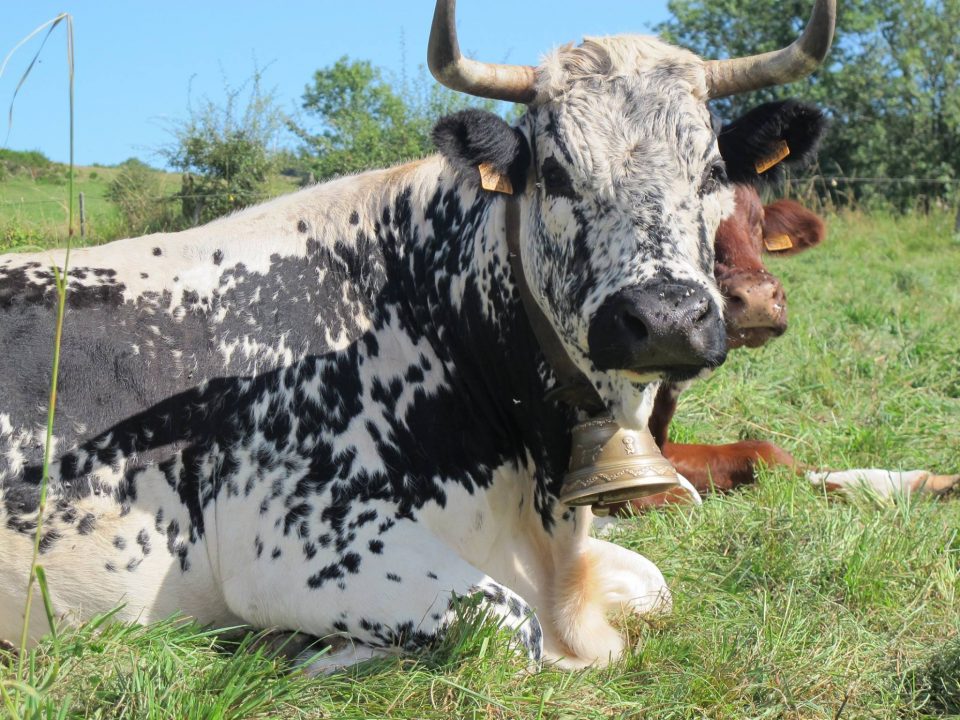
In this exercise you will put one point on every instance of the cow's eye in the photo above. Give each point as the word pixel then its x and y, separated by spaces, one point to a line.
pixel 714 178
pixel 556 181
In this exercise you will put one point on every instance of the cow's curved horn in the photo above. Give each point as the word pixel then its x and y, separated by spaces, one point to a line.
pixel 737 75
pixel 515 83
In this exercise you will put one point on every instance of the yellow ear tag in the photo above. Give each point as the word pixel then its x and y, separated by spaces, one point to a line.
pixel 778 243
pixel 780 151
pixel 494 181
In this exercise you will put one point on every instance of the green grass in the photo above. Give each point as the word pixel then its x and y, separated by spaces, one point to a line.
pixel 34 212
pixel 787 604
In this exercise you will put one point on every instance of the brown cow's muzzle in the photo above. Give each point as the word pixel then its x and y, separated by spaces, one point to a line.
pixel 756 309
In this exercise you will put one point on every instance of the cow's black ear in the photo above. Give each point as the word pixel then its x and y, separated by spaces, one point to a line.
pixel 470 138
pixel 755 139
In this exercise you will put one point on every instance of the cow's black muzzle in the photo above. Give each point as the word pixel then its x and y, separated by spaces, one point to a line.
pixel 670 329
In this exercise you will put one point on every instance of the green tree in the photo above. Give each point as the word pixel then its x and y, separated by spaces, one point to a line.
pixel 357 119
pixel 890 84
pixel 225 154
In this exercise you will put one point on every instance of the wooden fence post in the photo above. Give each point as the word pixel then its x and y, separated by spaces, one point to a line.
pixel 83 219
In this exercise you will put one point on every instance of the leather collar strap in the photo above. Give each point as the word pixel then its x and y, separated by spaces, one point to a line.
pixel 572 385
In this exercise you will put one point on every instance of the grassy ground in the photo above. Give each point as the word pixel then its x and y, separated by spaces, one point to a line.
pixel 787 604
pixel 34 212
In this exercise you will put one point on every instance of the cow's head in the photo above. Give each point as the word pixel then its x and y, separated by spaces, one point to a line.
pixel 622 187
pixel 756 305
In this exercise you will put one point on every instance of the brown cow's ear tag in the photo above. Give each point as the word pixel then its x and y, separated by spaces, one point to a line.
pixel 780 151
pixel 778 243
pixel 494 181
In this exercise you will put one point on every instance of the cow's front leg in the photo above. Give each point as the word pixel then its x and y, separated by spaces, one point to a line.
pixel 628 581
pixel 392 592
pixel 602 577
pixel 884 483
pixel 725 467
pixel 406 632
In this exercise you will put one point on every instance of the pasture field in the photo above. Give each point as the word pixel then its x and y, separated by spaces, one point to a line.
pixel 33 212
pixel 787 604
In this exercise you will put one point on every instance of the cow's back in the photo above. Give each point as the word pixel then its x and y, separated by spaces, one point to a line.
pixel 156 318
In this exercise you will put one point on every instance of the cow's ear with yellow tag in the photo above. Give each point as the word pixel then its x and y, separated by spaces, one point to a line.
pixel 492 180
pixel 778 243
pixel 483 147
pixel 758 146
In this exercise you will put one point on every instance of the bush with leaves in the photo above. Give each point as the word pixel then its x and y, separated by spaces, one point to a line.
pixel 32 163
pixel 136 191
pixel 225 155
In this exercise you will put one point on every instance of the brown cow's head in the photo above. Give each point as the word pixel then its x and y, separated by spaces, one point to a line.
pixel 756 306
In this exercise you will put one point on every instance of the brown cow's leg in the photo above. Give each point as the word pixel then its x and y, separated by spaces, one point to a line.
pixel 714 467
pixel 725 467
pixel 884 483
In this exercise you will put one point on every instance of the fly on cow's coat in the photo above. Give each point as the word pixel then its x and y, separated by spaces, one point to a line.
pixel 305 416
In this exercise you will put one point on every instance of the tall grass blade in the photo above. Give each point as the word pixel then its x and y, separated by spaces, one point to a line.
pixel 51 25
pixel 60 275
pixel 47 602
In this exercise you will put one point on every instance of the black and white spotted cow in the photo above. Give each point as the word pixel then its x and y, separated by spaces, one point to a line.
pixel 326 413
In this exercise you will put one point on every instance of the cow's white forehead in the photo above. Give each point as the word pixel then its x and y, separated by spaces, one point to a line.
pixel 631 111
pixel 618 56
pixel 628 119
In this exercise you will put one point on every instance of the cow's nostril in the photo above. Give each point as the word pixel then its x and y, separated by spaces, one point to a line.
pixel 735 303
pixel 660 328
pixel 634 326
pixel 701 311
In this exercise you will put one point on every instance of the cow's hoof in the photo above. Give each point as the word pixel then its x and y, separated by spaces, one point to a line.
pixel 286 644
pixel 338 654
pixel 936 484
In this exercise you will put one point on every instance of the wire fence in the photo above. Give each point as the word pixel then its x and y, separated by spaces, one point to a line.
pixel 876 180
pixel 174 197
pixel 831 191
pixel 825 180
pixel 822 184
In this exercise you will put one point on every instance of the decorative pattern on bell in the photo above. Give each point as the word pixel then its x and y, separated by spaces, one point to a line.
pixel 609 464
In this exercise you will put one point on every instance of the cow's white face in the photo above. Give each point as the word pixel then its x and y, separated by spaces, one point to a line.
pixel 630 189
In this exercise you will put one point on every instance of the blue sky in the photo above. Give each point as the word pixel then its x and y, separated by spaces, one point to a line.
pixel 137 61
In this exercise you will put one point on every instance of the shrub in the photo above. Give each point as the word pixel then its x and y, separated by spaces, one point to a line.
pixel 137 193
pixel 30 162
pixel 14 236
pixel 225 155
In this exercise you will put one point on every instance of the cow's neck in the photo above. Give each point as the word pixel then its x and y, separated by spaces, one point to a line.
pixel 457 287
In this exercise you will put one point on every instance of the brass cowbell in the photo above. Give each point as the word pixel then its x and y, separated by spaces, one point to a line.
pixel 609 464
